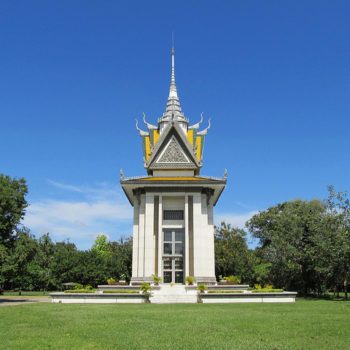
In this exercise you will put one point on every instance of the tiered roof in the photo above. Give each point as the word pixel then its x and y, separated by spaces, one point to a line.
pixel 173 143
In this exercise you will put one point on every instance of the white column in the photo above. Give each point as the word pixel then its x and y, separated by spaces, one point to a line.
pixel 141 234
pixel 197 239
pixel 135 241
pixel 186 251
pixel 203 243
pixel 149 242
pixel 208 222
pixel 160 237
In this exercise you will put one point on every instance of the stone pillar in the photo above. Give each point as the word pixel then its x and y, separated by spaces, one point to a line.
pixel 135 241
pixel 186 250
pixel 149 240
pixel 203 242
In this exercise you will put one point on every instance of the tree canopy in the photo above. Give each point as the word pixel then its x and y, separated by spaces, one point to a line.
pixel 304 247
pixel 12 207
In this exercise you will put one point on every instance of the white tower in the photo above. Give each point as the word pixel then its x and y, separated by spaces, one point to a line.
pixel 173 230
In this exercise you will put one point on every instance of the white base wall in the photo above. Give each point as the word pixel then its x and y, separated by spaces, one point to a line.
pixel 247 300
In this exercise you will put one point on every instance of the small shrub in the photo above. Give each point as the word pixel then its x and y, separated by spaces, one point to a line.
pixel 202 288
pixel 156 279
pixel 265 290
pixel 268 288
pixel 78 286
pixel 146 290
pixel 123 277
pixel 232 279
pixel 111 281
pixel 190 280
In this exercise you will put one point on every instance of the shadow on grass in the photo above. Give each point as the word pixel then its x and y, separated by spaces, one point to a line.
pixel 329 297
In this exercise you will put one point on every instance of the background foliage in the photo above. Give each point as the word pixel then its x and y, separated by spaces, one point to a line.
pixel 304 246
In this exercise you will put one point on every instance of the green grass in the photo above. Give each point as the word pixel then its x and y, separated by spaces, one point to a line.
pixel 307 324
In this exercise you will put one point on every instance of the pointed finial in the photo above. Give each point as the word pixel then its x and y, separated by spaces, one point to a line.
pixel 172 43
pixel 173 104
pixel 172 82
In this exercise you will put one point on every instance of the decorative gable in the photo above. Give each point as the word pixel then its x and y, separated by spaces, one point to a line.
pixel 172 153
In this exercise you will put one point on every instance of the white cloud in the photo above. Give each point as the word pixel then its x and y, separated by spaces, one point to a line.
pixel 235 219
pixel 99 208
pixel 239 220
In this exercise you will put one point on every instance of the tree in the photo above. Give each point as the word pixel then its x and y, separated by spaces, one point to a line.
pixel 232 256
pixel 3 259
pixel 12 207
pixel 91 268
pixel 333 246
pixel 19 268
pixel 120 260
pixel 64 264
pixel 43 260
pixel 287 234
pixel 101 246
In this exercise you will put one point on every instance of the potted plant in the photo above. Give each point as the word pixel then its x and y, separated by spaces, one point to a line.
pixel 156 280
pixel 202 288
pixel 190 280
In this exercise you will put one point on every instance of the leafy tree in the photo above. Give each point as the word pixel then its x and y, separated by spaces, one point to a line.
pixel 286 232
pixel 91 268
pixel 19 267
pixel 43 260
pixel 333 243
pixel 101 246
pixel 120 260
pixel 232 256
pixel 12 207
pixel 261 273
pixel 3 259
pixel 64 264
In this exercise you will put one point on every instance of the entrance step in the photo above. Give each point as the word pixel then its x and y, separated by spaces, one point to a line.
pixel 168 294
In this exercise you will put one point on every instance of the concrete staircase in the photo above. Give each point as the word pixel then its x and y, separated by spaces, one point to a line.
pixel 176 294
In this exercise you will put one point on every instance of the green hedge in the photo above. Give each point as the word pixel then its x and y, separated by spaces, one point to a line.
pixel 271 290
pixel 80 291
pixel 225 291
pixel 124 291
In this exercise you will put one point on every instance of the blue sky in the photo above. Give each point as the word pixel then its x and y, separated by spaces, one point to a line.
pixel 273 77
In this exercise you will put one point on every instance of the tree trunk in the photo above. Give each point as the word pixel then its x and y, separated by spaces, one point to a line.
pixel 346 289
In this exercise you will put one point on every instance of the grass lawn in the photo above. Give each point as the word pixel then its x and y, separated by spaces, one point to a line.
pixel 307 324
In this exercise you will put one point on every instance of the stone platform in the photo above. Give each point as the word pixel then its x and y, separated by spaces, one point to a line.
pixel 173 294
pixel 176 294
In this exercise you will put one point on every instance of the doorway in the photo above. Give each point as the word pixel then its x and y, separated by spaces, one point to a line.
pixel 173 254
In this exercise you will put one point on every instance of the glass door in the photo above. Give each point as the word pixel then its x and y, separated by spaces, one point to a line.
pixel 173 253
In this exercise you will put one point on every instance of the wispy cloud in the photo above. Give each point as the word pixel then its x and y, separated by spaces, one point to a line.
pixel 239 220
pixel 235 219
pixel 99 190
pixel 98 208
